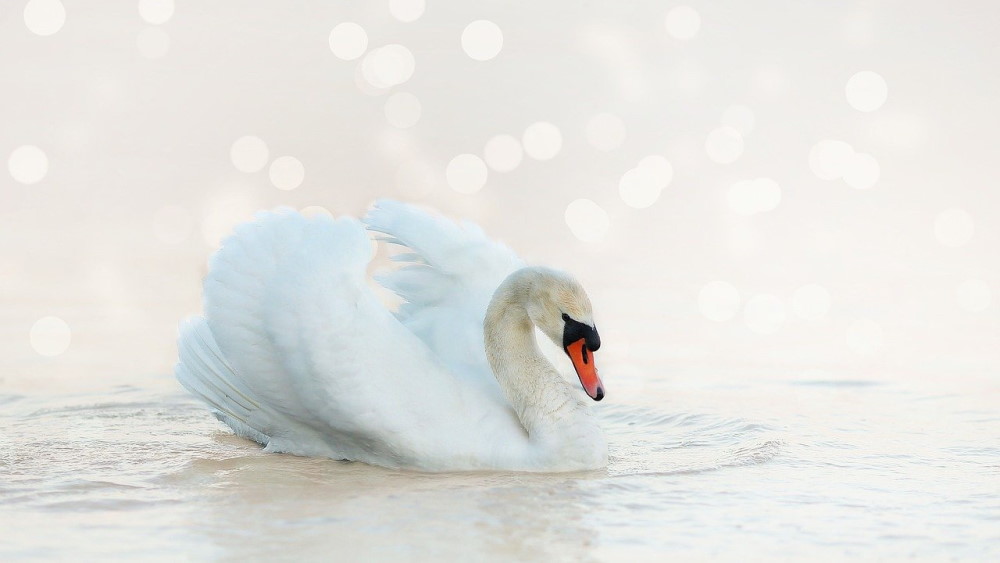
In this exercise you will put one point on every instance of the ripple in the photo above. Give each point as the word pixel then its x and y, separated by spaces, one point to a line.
pixel 643 441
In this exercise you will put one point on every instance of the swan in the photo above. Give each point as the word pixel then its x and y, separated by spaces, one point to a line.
pixel 298 353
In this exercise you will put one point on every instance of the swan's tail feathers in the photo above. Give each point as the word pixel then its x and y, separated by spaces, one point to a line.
pixel 204 372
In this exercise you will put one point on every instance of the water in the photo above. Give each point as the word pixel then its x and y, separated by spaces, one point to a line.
pixel 702 465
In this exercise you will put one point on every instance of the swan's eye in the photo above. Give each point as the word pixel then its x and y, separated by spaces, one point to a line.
pixel 574 330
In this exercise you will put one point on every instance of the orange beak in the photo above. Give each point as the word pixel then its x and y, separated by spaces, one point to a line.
pixel 586 370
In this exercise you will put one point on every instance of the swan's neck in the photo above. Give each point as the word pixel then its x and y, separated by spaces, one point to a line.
pixel 550 410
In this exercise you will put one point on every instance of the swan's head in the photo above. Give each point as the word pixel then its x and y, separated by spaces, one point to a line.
pixel 559 306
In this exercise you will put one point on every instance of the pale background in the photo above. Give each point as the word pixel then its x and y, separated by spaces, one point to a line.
pixel 789 214
pixel 137 108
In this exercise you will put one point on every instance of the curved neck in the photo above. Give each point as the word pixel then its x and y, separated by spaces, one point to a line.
pixel 545 404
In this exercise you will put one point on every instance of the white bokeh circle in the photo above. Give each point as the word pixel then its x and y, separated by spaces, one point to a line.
pixel 348 41
pixel 316 211
pixel 605 132
pixel 156 12
pixel 50 336
pixel 749 197
pixel 724 145
pixel 974 295
pixel 542 140
pixel 249 154
pixel 28 164
pixel 954 227
pixel 466 173
pixel 862 171
pixel 719 301
pixel 587 221
pixel 482 40
pixel 830 159
pixel 866 91
pixel 402 110
pixel 641 186
pixel 388 66
pixel 44 17
pixel 683 22
pixel 286 173
pixel 503 153
pixel 407 11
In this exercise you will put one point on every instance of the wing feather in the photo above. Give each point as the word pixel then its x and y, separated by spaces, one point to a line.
pixel 454 270
pixel 298 353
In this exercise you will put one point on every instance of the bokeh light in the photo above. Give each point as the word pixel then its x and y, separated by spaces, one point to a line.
pixel 542 140
pixel 222 211
pixel 866 91
pixel 605 132
pixel 153 43
pixel 286 173
pixel 466 174
pixel 348 41
pixel 954 227
pixel 683 22
pixel 156 12
pixel 764 314
pixel 862 171
pixel 719 301
pixel 402 110
pixel 173 224
pixel 749 197
pixel 974 295
pixel 724 145
pixel 830 159
pixel 406 11
pixel 50 336
pixel 44 17
pixel 811 302
pixel 388 66
pixel 28 164
pixel 316 211
pixel 249 154
pixel 641 186
pixel 503 153
pixel 587 221
pixel 864 336
pixel 739 117
pixel 482 40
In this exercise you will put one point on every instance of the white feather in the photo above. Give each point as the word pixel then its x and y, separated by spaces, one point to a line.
pixel 297 353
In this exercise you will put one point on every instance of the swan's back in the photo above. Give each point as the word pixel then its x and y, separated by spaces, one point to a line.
pixel 295 352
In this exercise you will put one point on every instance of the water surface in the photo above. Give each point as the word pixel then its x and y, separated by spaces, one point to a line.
pixel 702 465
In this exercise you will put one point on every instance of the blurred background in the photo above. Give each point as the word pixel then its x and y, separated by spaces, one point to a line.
pixel 794 189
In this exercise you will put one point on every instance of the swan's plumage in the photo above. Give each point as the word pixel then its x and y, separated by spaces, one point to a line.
pixel 452 273
pixel 297 352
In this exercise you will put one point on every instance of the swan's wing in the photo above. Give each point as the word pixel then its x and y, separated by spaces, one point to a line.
pixel 307 355
pixel 448 281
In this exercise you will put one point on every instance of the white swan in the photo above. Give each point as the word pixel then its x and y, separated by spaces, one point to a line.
pixel 296 352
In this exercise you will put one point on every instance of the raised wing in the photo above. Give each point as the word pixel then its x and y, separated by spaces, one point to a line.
pixel 296 352
pixel 447 281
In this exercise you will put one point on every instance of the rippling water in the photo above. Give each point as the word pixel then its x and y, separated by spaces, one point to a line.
pixel 700 466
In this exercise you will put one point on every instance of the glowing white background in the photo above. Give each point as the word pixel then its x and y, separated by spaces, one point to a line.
pixel 128 142
pixel 136 134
